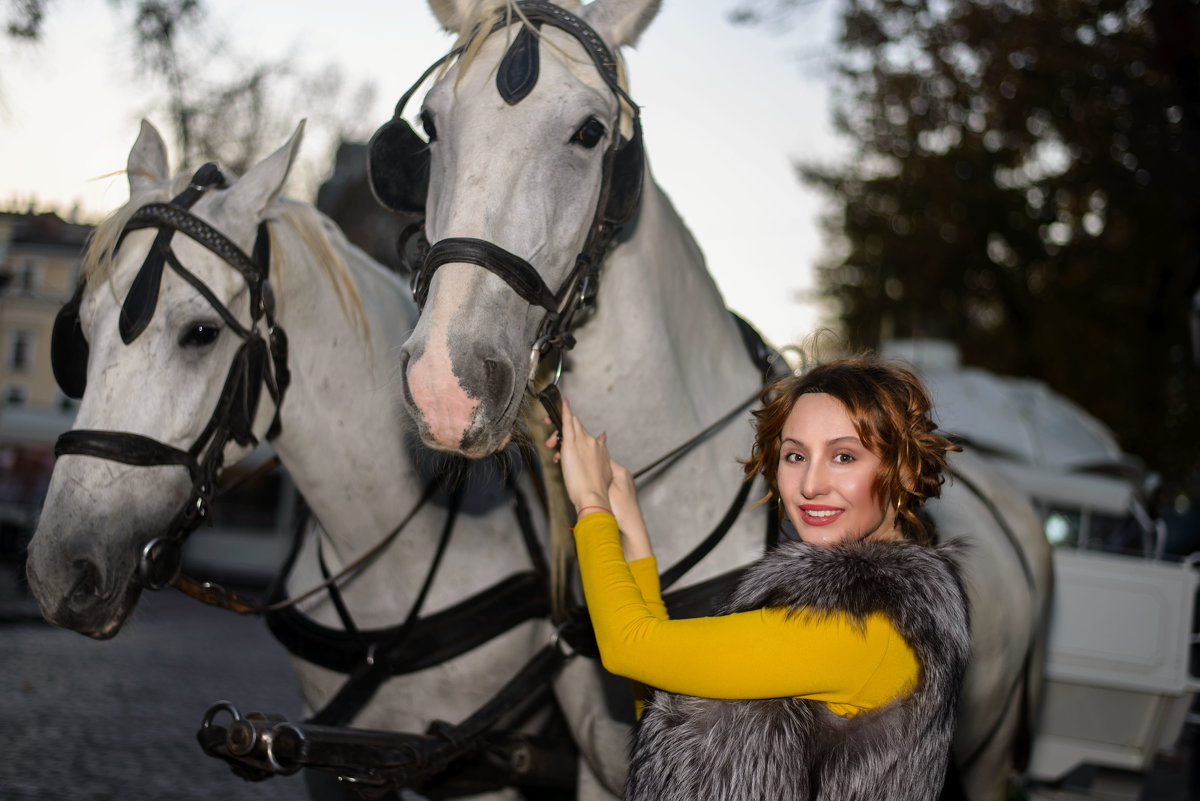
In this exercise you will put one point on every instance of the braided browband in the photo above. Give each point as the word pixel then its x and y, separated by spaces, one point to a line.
pixel 155 214
pixel 544 12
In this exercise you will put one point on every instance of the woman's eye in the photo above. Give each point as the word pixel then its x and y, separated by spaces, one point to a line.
pixel 427 124
pixel 793 458
pixel 843 458
pixel 199 335
pixel 590 133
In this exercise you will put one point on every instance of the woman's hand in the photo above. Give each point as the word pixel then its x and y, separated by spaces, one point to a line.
pixel 586 468
pixel 635 539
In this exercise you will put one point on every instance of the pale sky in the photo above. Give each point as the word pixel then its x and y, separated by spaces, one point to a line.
pixel 726 112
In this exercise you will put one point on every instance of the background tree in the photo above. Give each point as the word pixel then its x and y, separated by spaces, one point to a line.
pixel 220 103
pixel 1024 183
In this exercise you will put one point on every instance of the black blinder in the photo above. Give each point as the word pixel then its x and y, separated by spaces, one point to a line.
pixel 625 178
pixel 518 72
pixel 69 348
pixel 142 297
pixel 244 390
pixel 398 167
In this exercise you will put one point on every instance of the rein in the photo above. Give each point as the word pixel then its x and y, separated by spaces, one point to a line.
pixel 574 624
pixel 215 595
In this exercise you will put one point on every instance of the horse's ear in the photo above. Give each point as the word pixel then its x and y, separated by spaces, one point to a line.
pixel 263 182
pixel 620 22
pixel 452 14
pixel 147 162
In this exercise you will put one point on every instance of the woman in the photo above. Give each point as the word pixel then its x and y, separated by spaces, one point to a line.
pixel 834 671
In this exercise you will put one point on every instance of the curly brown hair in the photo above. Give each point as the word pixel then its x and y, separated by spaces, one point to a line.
pixel 890 409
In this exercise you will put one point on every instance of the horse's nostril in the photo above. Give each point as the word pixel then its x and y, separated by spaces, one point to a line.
pixel 497 378
pixel 86 589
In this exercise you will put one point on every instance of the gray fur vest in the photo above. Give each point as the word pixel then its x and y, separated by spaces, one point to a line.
pixel 790 749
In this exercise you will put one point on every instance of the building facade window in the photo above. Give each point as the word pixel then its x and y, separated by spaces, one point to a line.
pixel 29 275
pixel 20 355
pixel 15 395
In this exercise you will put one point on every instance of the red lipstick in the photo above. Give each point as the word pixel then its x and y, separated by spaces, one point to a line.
pixel 814 514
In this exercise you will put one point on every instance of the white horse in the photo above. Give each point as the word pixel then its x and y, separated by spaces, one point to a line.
pixel 529 133
pixel 342 438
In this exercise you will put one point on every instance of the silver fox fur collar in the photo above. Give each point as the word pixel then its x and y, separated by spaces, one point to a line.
pixel 789 749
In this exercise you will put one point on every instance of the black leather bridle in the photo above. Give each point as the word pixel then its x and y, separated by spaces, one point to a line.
pixel 233 417
pixel 398 168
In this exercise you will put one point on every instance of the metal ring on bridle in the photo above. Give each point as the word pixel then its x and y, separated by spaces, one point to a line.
pixel 161 561
pixel 535 360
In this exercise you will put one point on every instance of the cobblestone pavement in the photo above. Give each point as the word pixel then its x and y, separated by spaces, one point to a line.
pixel 82 720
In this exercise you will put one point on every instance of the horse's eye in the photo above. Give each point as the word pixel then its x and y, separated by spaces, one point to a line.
pixel 199 335
pixel 427 124
pixel 590 133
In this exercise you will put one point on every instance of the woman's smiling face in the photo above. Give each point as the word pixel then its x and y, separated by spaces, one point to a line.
pixel 826 476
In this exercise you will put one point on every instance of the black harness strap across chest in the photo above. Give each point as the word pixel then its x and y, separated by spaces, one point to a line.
pixel 371 656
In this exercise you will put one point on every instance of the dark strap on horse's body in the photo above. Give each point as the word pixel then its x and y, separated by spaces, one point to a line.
pixel 696 600
pixel 433 639
pixel 1022 748
pixel 677 570
pixel 370 657
pixel 428 642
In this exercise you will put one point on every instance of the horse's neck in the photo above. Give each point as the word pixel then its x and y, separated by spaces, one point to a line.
pixel 342 439
pixel 661 337
pixel 346 443
pixel 661 360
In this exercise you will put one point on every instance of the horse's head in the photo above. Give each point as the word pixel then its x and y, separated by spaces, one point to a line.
pixel 534 158
pixel 163 337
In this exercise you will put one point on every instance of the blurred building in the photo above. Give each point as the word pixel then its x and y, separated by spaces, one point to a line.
pixel 39 266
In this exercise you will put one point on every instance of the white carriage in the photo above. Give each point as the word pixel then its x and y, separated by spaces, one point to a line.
pixel 1118 685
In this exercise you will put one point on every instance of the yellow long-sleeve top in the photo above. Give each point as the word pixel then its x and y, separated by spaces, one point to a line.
pixel 764 653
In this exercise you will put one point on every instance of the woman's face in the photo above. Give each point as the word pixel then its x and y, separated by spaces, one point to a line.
pixel 826 475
